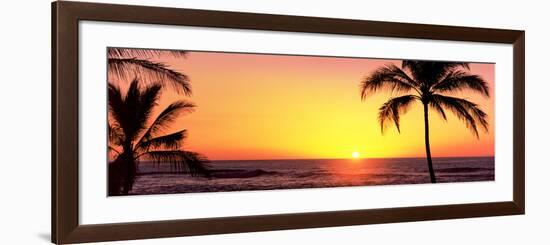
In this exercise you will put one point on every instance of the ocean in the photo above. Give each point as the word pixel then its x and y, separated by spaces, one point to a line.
pixel 246 175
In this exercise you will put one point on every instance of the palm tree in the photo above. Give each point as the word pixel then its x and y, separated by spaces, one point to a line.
pixel 429 83
pixel 124 64
pixel 131 139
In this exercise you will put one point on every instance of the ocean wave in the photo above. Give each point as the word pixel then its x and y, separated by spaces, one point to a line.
pixel 309 174
pixel 239 173
pixel 462 170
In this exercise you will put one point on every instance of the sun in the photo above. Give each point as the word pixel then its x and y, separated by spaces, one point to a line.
pixel 355 154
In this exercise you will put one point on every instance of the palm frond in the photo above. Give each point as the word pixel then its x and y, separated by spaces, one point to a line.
pixel 460 80
pixel 389 76
pixel 147 100
pixel 114 133
pixel 132 111
pixel 149 71
pixel 197 163
pixel 112 149
pixel 142 53
pixel 117 107
pixel 171 141
pixel 429 72
pixel 181 161
pixel 168 115
pixel 437 107
pixel 465 110
pixel 413 64
pixel 391 110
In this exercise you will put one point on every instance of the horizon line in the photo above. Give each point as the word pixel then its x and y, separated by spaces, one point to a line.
pixel 361 158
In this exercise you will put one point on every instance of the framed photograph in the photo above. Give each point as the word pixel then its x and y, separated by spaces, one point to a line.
pixel 175 122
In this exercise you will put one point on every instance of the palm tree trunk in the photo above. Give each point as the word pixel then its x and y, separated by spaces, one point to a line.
pixel 128 168
pixel 115 174
pixel 427 140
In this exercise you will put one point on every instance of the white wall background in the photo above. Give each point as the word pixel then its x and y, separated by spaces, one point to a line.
pixel 25 121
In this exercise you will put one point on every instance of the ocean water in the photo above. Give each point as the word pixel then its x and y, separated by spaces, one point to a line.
pixel 313 173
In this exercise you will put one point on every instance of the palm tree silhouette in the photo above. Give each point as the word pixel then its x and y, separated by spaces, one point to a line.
pixel 131 139
pixel 429 82
pixel 124 64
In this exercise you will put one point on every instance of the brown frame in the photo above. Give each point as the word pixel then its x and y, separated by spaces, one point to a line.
pixel 65 211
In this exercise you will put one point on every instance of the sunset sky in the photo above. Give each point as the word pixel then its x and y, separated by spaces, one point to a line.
pixel 254 106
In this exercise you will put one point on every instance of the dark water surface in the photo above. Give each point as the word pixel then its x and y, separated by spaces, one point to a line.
pixel 315 173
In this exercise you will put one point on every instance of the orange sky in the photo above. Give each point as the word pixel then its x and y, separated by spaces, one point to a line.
pixel 275 107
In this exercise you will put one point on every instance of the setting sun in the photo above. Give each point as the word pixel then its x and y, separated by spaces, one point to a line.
pixel 355 154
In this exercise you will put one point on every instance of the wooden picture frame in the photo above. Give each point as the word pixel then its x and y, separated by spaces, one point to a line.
pixel 65 122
